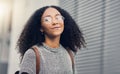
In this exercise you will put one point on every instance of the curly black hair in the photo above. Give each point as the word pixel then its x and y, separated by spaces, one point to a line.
pixel 71 37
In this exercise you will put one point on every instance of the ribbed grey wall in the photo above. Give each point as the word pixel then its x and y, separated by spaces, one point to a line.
pixel 89 60
pixel 99 21
pixel 71 6
pixel 112 37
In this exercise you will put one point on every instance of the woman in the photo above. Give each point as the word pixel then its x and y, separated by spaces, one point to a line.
pixel 53 31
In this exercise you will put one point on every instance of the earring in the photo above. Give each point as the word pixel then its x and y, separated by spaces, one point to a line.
pixel 42 32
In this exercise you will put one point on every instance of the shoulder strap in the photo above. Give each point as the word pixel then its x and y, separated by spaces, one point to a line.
pixel 71 56
pixel 37 59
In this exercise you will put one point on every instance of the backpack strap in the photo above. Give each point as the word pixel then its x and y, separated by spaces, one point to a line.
pixel 72 57
pixel 37 59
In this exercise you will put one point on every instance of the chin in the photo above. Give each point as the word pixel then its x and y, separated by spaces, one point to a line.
pixel 57 33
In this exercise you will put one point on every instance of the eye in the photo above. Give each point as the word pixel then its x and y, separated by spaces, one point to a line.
pixel 47 19
pixel 59 17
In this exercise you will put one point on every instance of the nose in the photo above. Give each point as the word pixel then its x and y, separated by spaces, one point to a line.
pixel 54 21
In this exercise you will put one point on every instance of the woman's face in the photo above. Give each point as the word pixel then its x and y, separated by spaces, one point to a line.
pixel 52 22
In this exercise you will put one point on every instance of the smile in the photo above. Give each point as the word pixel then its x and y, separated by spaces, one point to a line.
pixel 56 27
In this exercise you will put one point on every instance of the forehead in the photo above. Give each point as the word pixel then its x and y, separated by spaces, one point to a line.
pixel 50 11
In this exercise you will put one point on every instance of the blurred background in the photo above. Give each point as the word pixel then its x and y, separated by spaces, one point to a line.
pixel 98 19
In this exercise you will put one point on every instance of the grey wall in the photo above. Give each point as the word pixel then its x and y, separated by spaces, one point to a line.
pixel 99 21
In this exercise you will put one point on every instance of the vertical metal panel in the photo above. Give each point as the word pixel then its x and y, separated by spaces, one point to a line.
pixel 89 60
pixel 89 18
pixel 112 37
pixel 100 22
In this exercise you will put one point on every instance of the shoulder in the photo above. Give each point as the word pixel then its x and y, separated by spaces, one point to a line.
pixel 29 54
pixel 28 62
pixel 30 51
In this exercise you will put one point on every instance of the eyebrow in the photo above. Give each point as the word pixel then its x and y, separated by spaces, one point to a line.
pixel 50 15
pixel 57 14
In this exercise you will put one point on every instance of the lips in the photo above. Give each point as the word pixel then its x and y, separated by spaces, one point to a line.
pixel 56 27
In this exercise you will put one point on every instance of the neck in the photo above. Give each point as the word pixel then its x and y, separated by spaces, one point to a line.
pixel 54 42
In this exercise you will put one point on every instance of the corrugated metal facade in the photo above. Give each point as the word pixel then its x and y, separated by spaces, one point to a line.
pixel 112 37
pixel 99 21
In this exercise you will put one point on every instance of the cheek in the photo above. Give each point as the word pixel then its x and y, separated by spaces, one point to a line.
pixel 62 24
pixel 45 27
